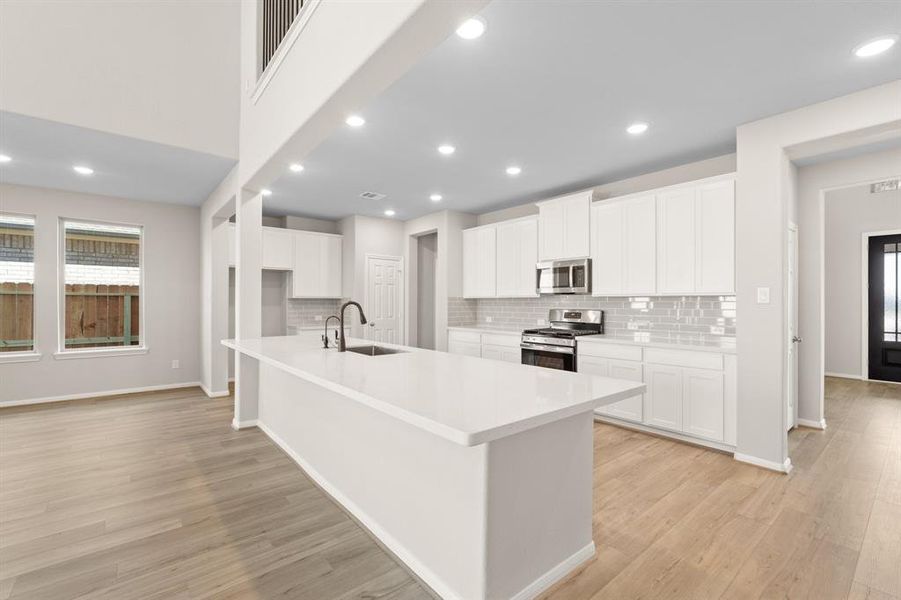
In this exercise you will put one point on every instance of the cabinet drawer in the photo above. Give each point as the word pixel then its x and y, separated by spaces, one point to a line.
pixel 472 337
pixel 605 350
pixel 684 358
pixel 465 348
pixel 501 339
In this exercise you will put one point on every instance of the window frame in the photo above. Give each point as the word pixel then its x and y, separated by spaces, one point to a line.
pixel 34 354
pixel 63 353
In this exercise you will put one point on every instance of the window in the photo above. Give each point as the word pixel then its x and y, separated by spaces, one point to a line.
pixel 16 283
pixel 890 293
pixel 102 286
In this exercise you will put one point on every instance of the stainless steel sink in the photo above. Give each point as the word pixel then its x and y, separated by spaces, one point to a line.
pixel 374 350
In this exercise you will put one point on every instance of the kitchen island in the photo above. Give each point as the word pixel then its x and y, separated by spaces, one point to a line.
pixel 476 473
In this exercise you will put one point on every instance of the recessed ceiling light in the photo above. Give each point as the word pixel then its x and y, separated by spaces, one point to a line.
pixel 4 158
pixel 296 167
pixel 472 28
pixel 355 121
pixel 514 170
pixel 446 149
pixel 637 128
pixel 435 197
pixel 82 170
pixel 874 47
pixel 266 192
pixel 389 213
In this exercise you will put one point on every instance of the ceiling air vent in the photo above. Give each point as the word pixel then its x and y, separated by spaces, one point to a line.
pixel 373 196
pixel 889 185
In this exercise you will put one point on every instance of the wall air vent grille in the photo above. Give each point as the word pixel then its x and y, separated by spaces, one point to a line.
pixel 373 196
pixel 889 185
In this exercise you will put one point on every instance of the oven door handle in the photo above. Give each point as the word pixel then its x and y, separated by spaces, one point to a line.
pixel 556 349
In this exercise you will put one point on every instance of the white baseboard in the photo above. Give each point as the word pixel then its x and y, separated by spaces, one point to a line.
pixel 392 544
pixel 843 375
pixel 556 574
pixel 821 424
pixel 82 396
pixel 214 394
pixel 238 425
pixel 664 433
pixel 785 467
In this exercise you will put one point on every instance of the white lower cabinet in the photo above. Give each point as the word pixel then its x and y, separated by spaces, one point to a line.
pixel 495 345
pixel 663 400
pixel 464 348
pixel 504 353
pixel 702 403
pixel 629 409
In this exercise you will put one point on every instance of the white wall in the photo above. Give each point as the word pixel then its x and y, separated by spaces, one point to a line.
pixel 812 180
pixel 761 233
pixel 850 213
pixel 449 226
pixel 172 67
pixel 171 297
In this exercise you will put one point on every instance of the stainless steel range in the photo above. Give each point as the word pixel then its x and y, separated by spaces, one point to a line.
pixel 554 347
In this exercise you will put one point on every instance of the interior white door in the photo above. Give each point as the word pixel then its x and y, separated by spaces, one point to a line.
pixel 383 299
pixel 793 339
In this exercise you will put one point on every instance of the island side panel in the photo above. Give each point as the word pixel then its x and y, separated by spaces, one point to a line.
pixel 539 506
pixel 421 495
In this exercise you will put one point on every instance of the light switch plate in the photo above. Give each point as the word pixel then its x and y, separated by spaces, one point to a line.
pixel 175 364
pixel 763 295
pixel 317 318
pixel 489 319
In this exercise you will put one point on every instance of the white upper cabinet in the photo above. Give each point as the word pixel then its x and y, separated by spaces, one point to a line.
pixel 563 227
pixel 480 262
pixel 715 238
pixel 517 254
pixel 676 242
pixel 623 237
pixel 278 249
pixel 317 265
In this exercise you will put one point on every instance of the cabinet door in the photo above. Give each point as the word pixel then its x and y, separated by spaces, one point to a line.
pixel 640 246
pixel 511 355
pixel 331 261
pixel 676 242
pixel 629 409
pixel 306 278
pixel 487 262
pixel 703 403
pixel 595 365
pixel 504 353
pixel 715 238
pixel 607 252
pixel 528 257
pixel 576 226
pixel 550 231
pixel 507 260
pixel 278 249
pixel 663 399
pixel 470 262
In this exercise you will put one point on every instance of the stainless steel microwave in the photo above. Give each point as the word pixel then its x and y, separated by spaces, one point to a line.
pixel 564 276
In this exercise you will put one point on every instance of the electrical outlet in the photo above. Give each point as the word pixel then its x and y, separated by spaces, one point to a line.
pixel 489 319
pixel 541 322
pixel 717 330
pixel 632 325
pixel 317 318
pixel 175 364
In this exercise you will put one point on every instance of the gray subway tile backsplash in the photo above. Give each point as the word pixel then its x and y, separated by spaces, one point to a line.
pixel 303 312
pixel 700 318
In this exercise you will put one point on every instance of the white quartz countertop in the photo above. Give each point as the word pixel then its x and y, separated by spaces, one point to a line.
pixel 466 400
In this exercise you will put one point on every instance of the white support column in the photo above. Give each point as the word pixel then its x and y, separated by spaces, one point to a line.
pixel 248 304
pixel 218 384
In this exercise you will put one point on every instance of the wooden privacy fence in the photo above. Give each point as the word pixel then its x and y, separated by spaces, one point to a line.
pixel 96 316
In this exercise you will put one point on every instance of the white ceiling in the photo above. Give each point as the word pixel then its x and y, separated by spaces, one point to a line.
pixel 552 85
pixel 44 153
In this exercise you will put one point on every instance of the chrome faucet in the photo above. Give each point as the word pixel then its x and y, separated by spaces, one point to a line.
pixel 342 344
pixel 325 335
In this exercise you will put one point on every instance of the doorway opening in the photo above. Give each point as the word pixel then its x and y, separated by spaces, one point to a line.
pixel 426 281
pixel 882 340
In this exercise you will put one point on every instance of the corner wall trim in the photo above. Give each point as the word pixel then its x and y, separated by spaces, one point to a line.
pixel 212 394
pixel 120 392
pixel 784 467
pixel 239 425
pixel 821 424
pixel 556 574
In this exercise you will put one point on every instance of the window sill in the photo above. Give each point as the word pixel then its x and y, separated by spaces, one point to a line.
pixel 19 357
pixel 99 353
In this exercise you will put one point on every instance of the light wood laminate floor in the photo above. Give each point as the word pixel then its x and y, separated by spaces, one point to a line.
pixel 153 496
